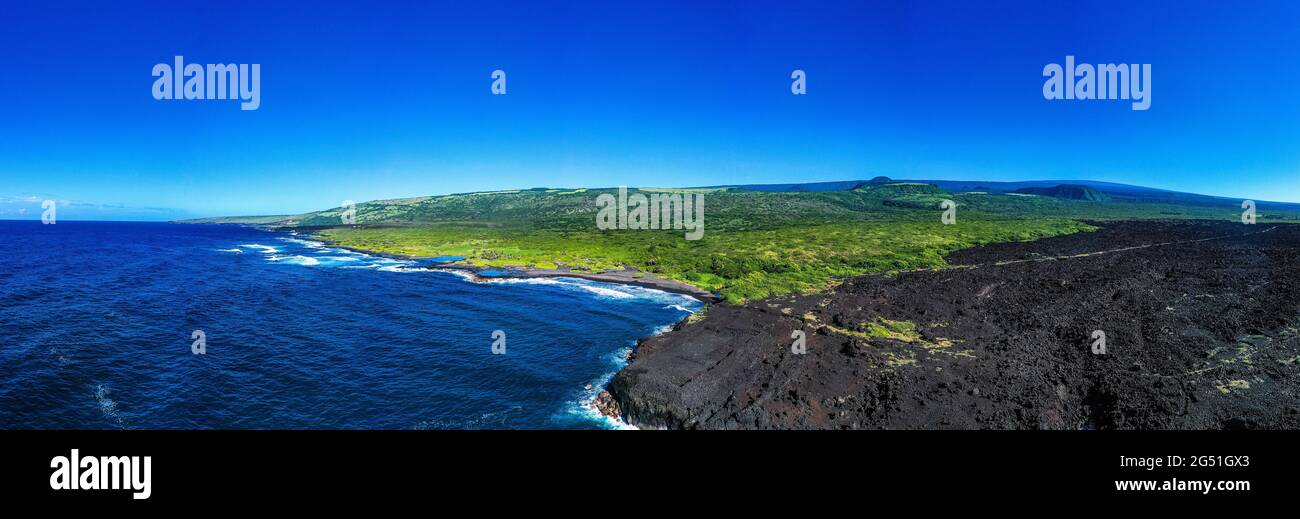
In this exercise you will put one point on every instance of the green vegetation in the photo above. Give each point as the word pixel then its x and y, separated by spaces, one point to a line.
pixel 1071 191
pixel 904 331
pixel 247 220
pixel 755 245
pixel 745 264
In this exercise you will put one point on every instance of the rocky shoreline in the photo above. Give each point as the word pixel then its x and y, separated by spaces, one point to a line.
pixel 625 276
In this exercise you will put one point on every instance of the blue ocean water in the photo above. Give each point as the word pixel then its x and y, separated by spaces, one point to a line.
pixel 97 320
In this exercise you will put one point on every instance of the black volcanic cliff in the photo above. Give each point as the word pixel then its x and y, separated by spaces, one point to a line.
pixel 1200 335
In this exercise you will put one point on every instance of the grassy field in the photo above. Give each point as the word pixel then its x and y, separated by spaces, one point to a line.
pixel 744 264
pixel 755 245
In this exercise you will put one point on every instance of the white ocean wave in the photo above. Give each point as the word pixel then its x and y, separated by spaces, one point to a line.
pixel 265 249
pixel 306 261
pixel 353 259
pixel 618 291
pixel 681 301
pixel 605 290
pixel 584 406
pixel 465 275
pixel 107 405
pixel 399 268
pixel 310 253
pixel 305 243
pixel 608 292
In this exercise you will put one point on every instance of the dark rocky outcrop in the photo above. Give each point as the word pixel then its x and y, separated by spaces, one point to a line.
pixel 1201 334
pixel 875 181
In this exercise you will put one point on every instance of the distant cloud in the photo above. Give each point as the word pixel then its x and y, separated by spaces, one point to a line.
pixel 28 206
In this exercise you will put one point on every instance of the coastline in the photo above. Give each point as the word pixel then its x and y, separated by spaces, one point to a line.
pixel 927 349
pixel 603 402
pixel 631 277
pixel 626 276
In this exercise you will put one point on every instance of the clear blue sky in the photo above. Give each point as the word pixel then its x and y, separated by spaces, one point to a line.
pixel 392 99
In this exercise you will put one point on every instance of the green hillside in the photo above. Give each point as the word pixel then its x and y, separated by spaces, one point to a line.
pixel 1068 191
pixel 755 245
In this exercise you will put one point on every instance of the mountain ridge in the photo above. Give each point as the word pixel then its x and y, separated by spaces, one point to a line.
pixel 1111 191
